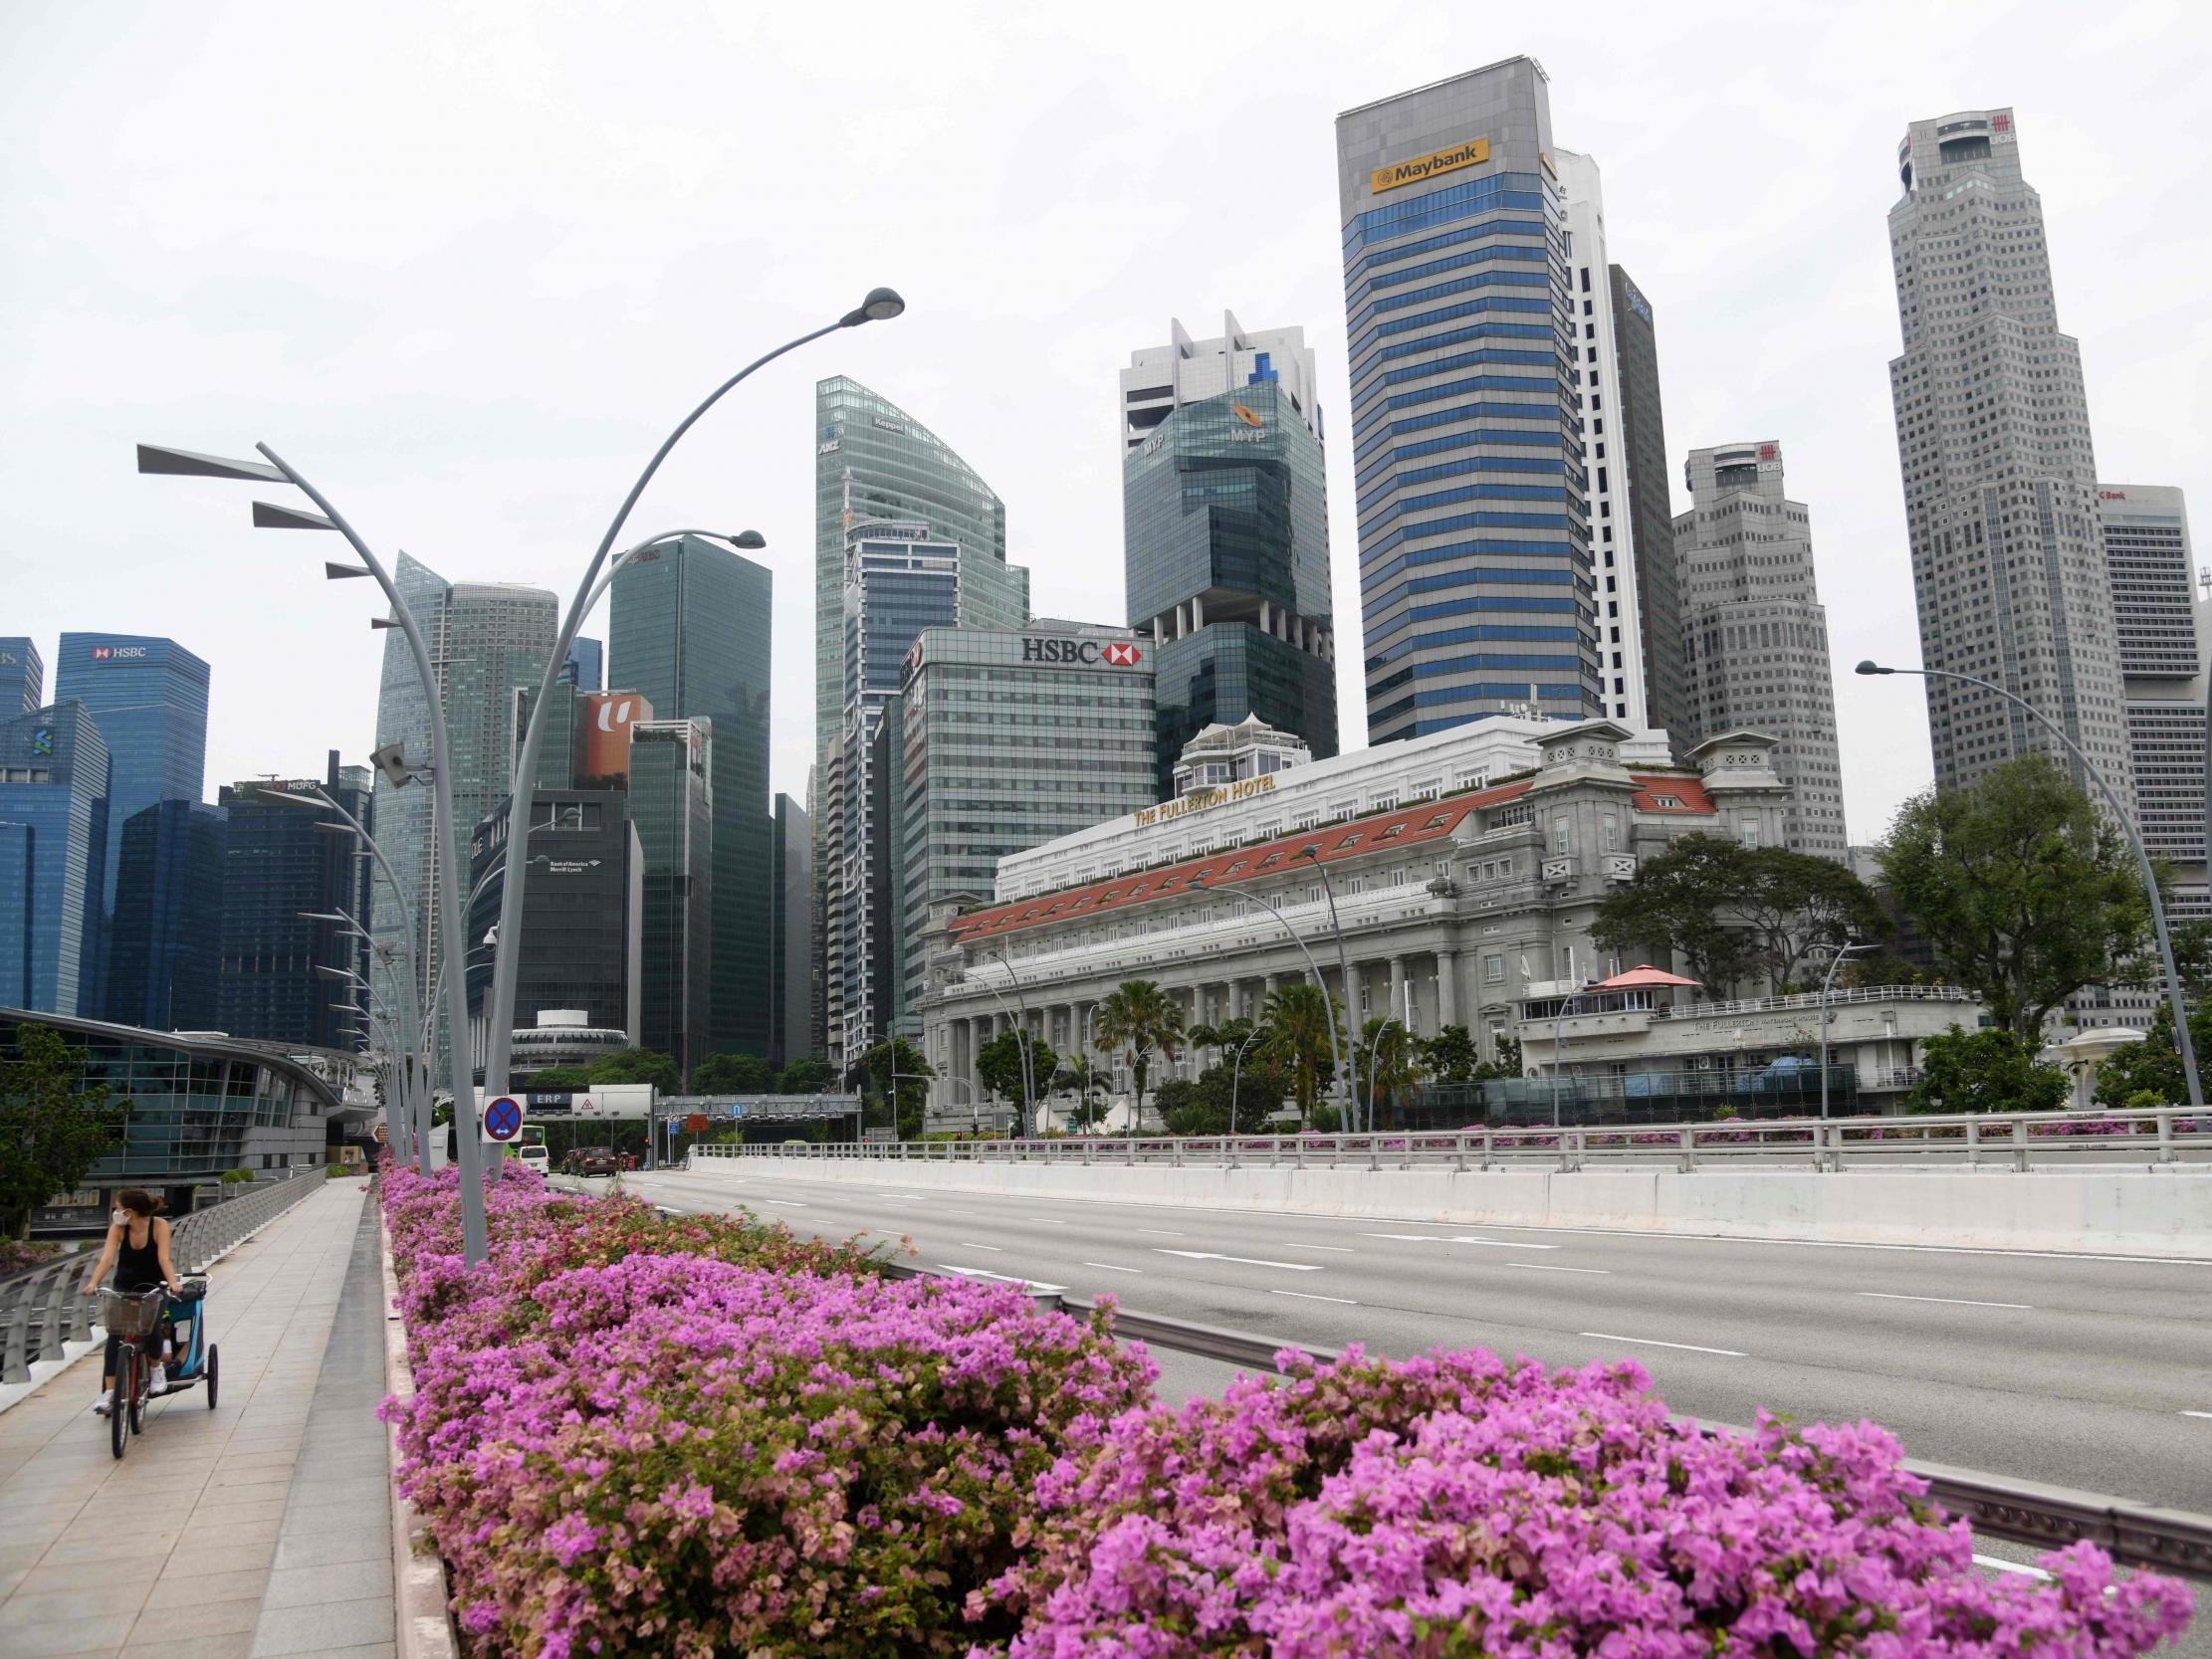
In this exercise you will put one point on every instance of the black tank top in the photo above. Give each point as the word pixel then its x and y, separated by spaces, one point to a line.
pixel 138 1266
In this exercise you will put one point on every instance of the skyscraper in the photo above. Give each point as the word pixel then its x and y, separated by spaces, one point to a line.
pixel 149 696
pixel 585 665
pixel 1475 569
pixel 52 847
pixel 1756 633
pixel 167 932
pixel 793 943
pixel 280 870
pixel 2166 648
pixel 1226 535
pixel 22 677
pixel 486 639
pixel 2000 480
pixel 1614 347
pixel 689 629
pixel 672 805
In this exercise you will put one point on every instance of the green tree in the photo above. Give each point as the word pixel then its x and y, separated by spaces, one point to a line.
pixel 2150 1073
pixel 733 1074
pixel 809 1073
pixel 1296 1019
pixel 1508 1050
pixel 1389 1067
pixel 901 1074
pixel 553 1079
pixel 1732 912
pixel 54 1124
pixel 1451 1055
pixel 1203 1104
pixel 998 1065
pixel 1079 1076
pixel 1139 1017
pixel 636 1065
pixel 2026 894
pixel 1990 1070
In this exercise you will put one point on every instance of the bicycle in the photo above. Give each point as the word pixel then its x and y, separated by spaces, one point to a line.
pixel 133 1316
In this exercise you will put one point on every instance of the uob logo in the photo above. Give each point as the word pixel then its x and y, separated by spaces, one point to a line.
pixel 613 715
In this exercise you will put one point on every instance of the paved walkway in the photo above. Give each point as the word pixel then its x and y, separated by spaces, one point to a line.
pixel 262 1528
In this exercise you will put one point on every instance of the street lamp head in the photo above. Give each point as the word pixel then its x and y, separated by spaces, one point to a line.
pixel 341 573
pixel 881 304
pixel 1869 666
pixel 751 540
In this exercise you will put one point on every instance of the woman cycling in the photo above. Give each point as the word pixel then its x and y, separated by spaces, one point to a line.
pixel 138 1246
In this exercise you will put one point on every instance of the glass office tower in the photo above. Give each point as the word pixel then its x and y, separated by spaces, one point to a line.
pixel 792 946
pixel 52 847
pixel 688 631
pixel 672 806
pixel 1225 554
pixel 149 697
pixel 21 675
pixel 1476 572
pixel 168 927
pixel 278 870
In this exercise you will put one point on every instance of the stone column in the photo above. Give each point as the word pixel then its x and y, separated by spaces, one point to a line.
pixel 1398 989
pixel 1447 988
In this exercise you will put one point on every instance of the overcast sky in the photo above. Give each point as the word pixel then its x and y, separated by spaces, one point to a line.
pixel 466 264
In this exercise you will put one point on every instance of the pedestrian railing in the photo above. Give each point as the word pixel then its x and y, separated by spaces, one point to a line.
pixel 43 1309
pixel 2019 1141
pixel 2026 1512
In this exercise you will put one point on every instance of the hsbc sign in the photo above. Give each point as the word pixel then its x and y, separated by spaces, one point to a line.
pixel 1086 652
pixel 116 653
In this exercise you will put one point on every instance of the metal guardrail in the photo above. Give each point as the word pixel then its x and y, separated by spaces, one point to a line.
pixel 2006 1141
pixel 42 1309
pixel 2026 1512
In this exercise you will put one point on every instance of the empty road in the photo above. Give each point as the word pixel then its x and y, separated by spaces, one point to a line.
pixel 2077 1370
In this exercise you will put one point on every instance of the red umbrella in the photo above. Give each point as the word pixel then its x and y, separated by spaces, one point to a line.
pixel 1644 977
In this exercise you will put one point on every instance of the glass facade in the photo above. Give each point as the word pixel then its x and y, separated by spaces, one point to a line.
pixel 1641 449
pixel 672 805
pixel 1012 739
pixel 168 927
pixel 279 869
pixel 197 1107
pixel 586 665
pixel 149 697
pixel 792 1023
pixel 689 632
pixel 53 828
pixel 1475 574
pixel 21 675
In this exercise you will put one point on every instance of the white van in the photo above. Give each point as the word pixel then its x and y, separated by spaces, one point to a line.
pixel 535 1157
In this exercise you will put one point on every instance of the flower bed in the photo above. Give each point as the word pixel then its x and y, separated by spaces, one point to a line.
pixel 693 1437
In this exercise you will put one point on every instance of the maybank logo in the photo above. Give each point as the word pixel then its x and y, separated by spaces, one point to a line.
pixel 1472 154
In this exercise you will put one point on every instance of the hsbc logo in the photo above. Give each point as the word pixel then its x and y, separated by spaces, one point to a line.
pixel 1088 653
pixel 111 653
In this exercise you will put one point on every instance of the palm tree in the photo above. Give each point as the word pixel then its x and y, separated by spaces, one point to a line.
pixel 1200 1037
pixel 1139 1015
pixel 1296 1019
pixel 1078 1076
pixel 1394 1061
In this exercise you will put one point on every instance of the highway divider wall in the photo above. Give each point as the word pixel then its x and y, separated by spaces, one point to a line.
pixel 2101 1211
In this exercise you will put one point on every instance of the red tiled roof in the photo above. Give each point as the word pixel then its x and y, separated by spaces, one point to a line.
pixel 1405 827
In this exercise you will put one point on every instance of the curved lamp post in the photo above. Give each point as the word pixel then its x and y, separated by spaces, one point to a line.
pixel 1312 855
pixel 1336 1054
pixel 1028 1066
pixel 1235 1073
pixel 1023 1040
pixel 881 304
pixel 2181 1036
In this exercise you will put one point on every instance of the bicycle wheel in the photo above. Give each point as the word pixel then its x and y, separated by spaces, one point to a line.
pixel 139 1378
pixel 213 1352
pixel 119 1428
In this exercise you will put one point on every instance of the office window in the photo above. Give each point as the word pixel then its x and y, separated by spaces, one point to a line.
pixel 1493 968
pixel 1562 834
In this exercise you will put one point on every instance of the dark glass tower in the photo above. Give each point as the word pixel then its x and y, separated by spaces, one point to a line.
pixel 21 675
pixel 168 918
pixel 279 869
pixel 1227 564
pixel 149 697
pixel 690 633
pixel 53 846
pixel 672 806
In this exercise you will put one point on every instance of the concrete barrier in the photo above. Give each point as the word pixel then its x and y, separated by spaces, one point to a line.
pixel 2166 1212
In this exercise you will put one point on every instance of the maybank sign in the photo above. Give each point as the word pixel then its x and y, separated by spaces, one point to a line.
pixel 1472 154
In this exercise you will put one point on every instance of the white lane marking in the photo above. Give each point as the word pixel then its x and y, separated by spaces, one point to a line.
pixel 1840 1244
pixel 782 1203
pixel 1045 1222
pixel 2011 1566
pixel 998 1278
pixel 1248 1261
pixel 1109 1267
pixel 2197 1414
pixel 1653 1341
pixel 1159 1232
pixel 1337 1249
pixel 970 1244
pixel 1547 1267
pixel 1304 1296
pixel 1461 1238
pixel 1948 1301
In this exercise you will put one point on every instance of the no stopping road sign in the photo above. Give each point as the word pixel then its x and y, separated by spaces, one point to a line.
pixel 503 1119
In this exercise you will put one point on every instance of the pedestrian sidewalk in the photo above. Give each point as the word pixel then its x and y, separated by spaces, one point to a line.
pixel 260 1528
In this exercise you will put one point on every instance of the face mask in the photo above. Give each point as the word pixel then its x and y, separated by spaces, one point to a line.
pixel 121 1218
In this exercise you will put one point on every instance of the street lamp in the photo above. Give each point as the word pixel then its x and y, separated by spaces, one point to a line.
pixel 1828 980
pixel 1558 1043
pixel 1336 1054
pixel 1374 1053
pixel 2181 1036
pixel 1312 855
pixel 880 304
pixel 1236 1072
pixel 1028 1054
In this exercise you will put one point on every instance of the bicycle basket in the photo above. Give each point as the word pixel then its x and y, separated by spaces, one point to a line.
pixel 129 1314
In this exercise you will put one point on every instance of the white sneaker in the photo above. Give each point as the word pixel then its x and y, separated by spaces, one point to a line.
pixel 105 1405
pixel 158 1382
